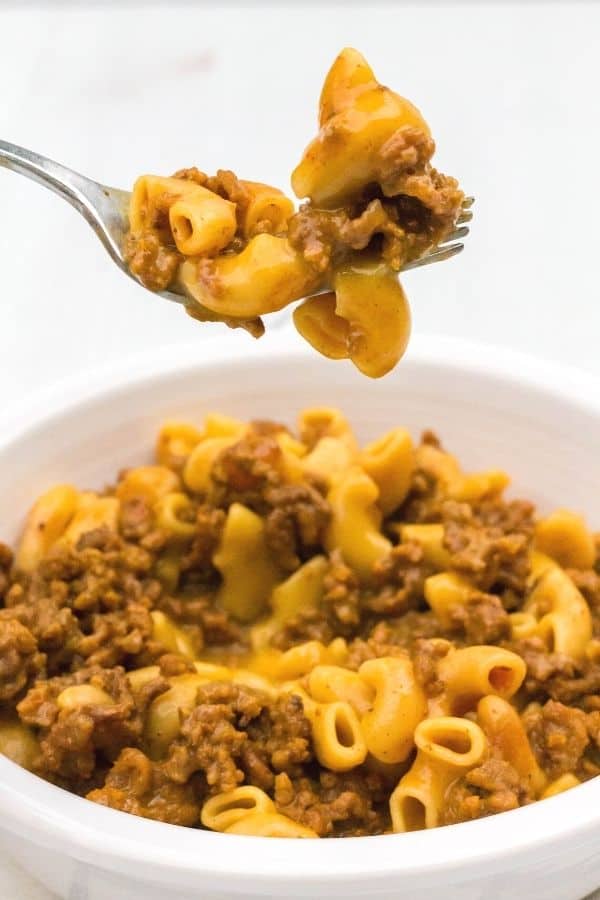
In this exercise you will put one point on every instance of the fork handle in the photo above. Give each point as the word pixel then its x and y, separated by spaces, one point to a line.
pixel 88 197
pixel 69 185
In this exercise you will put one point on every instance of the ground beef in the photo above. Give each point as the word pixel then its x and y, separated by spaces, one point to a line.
pixel 426 654
pixel 338 614
pixel 208 625
pixel 341 595
pixel 279 740
pixel 236 734
pixel 509 516
pixel 558 735
pixel 405 631
pixel 399 579
pixel 209 527
pixel 588 582
pixel 427 501
pixel 483 620
pixel 20 660
pixel 336 804
pixel 251 472
pixel 150 260
pixel 118 636
pixel 307 625
pixel 319 234
pixel 84 617
pixel 136 785
pixel 582 688
pixel 136 518
pixel 90 605
pixel 543 669
pixel 242 472
pixel 43 613
pixel 213 736
pixel 485 554
pixel 410 209
pixel 296 523
pixel 492 787
pixel 73 740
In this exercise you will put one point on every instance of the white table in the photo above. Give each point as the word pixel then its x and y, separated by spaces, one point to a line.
pixel 510 91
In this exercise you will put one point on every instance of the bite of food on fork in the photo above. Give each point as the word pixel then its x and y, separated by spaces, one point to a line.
pixel 233 250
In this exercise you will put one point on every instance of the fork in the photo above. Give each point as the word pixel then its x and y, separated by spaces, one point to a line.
pixel 106 209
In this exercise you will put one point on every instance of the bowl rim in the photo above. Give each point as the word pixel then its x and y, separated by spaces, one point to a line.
pixel 54 818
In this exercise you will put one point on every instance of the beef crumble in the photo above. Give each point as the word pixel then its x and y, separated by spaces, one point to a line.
pixel 83 661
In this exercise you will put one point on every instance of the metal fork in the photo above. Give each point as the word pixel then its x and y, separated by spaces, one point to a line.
pixel 106 208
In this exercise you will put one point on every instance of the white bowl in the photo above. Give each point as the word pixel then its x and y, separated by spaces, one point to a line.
pixel 540 422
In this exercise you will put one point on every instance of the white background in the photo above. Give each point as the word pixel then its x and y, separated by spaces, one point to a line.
pixel 511 93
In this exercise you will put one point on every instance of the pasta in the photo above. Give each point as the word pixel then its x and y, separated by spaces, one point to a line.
pixel 175 442
pixel 446 593
pixel 175 515
pixel 389 461
pixel 290 634
pixel 338 736
pixel 446 746
pixel 505 732
pixel 398 707
pixel 165 631
pixel 92 512
pixel 270 825
pixel 566 538
pixel 249 574
pixel 431 539
pixel 562 614
pixel 224 810
pixel 328 683
pixel 196 473
pixel 18 742
pixel 149 483
pixel 365 318
pixel 473 672
pixel 46 523
pixel 302 590
pixel 564 783
pixel 239 251
pixel 356 520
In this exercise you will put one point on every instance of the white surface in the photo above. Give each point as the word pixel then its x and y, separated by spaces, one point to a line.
pixel 487 415
pixel 510 91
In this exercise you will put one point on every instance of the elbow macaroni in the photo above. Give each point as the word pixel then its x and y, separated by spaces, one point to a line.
pixel 355 522
pixel 398 706
pixel 389 461
pixel 149 483
pixel 356 116
pixel 369 323
pixel 446 747
pixel 565 537
pixel 46 523
pixel 238 249
pixel 266 276
pixel 473 672
pixel 562 616
pixel 243 559
pixel 349 678
pixel 504 730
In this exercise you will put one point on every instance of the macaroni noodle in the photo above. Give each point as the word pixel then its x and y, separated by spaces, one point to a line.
pixel 238 250
pixel 289 634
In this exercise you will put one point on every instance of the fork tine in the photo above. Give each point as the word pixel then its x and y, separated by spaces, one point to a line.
pixel 455 235
pixel 437 255
pixel 467 202
pixel 465 216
